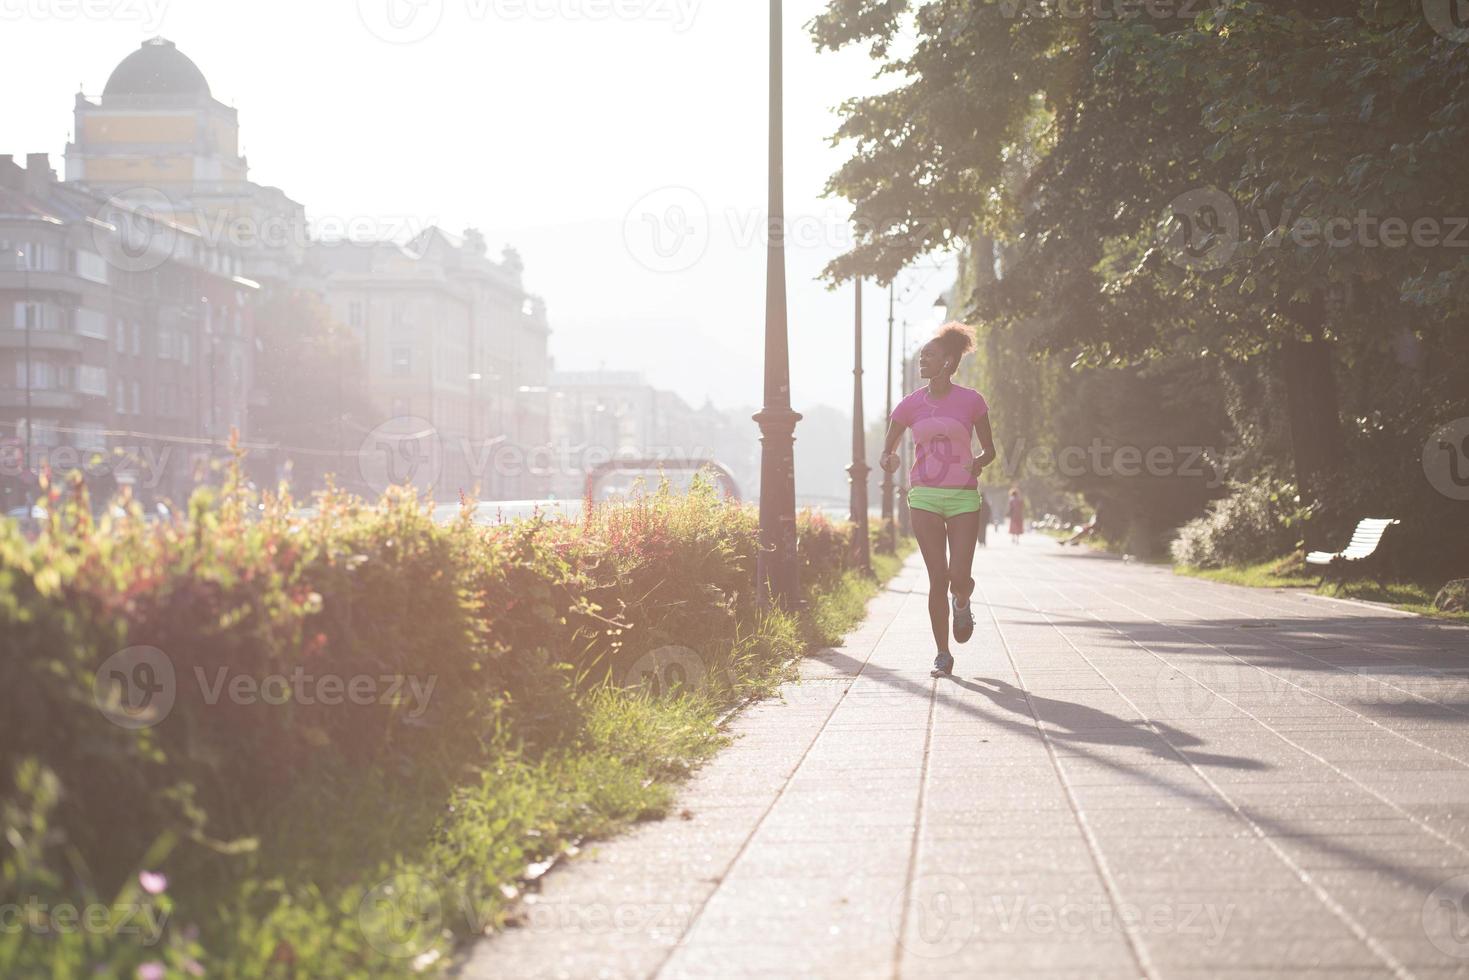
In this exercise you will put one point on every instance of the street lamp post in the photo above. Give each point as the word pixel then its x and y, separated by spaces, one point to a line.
pixel 887 475
pixel 905 516
pixel 861 544
pixel 23 259
pixel 777 574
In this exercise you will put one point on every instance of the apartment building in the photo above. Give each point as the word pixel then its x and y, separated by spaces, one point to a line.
pixel 125 340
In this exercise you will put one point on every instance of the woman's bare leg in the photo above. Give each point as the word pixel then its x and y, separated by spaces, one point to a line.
pixel 933 540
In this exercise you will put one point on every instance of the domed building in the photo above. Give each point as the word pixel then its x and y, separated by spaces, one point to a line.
pixel 158 136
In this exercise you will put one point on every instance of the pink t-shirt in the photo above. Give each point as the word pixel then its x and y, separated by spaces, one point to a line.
pixel 943 432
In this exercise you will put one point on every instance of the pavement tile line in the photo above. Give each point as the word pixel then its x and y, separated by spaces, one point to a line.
pixel 913 851
pixel 1320 697
pixel 1104 871
pixel 1347 645
pixel 1331 904
pixel 693 921
pixel 1395 807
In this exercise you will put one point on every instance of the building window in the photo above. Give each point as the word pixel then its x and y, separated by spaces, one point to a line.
pixel 136 401
pixel 354 314
pixel 120 335
pixel 90 438
pixel 91 266
pixel 121 394
pixel 91 323
pixel 137 333
pixel 92 380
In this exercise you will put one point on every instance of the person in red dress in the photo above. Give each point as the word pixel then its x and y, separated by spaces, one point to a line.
pixel 1017 515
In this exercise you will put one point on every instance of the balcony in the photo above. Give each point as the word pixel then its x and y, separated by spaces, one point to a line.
pixel 41 340
pixel 42 399
pixel 48 281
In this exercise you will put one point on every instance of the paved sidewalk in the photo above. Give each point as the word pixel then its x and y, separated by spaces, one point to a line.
pixel 1131 774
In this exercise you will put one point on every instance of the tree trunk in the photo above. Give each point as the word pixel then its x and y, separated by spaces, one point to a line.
pixel 1313 408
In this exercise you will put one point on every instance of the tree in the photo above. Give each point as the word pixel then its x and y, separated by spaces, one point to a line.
pixel 1160 185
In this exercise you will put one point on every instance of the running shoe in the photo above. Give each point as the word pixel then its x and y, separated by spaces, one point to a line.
pixel 943 665
pixel 963 620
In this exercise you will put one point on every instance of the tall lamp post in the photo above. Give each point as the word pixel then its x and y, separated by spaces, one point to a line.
pixel 23 262
pixel 888 528
pixel 905 516
pixel 777 574
pixel 861 543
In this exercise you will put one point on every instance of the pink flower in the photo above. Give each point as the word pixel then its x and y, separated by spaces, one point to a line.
pixel 153 882
pixel 152 970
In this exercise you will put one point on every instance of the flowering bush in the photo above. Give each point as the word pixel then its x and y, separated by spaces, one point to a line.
pixel 259 628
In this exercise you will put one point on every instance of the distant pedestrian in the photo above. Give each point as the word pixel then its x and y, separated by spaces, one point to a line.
pixel 1017 515
pixel 944 498
pixel 986 515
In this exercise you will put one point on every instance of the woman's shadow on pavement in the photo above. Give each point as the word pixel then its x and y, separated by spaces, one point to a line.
pixel 1080 723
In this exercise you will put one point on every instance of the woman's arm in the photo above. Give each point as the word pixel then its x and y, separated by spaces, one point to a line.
pixel 986 444
pixel 889 459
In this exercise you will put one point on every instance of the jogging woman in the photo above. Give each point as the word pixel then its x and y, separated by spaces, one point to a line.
pixel 944 496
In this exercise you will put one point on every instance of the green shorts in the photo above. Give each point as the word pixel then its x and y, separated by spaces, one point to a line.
pixel 944 501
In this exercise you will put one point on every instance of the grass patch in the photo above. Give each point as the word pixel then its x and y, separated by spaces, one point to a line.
pixel 1291 573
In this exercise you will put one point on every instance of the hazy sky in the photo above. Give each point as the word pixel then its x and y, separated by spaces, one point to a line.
pixel 594 135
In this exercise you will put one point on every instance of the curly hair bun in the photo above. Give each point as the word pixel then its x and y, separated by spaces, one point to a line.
pixel 956 339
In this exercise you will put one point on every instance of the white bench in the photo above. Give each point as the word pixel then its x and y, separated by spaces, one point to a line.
pixel 1365 541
